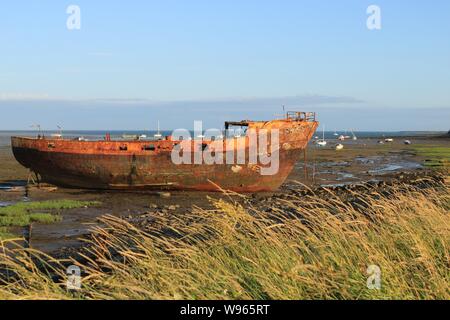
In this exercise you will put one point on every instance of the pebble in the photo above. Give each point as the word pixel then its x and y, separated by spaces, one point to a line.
pixel 164 194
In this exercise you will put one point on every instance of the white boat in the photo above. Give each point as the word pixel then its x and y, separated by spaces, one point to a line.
pixel 58 135
pixel 388 140
pixel 341 137
pixel 339 146
pixel 335 133
pixel 322 142
pixel 221 135
pixel 407 142
pixel 158 135
pixel 354 137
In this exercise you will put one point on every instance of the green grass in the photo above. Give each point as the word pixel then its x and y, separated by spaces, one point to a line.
pixel 4 234
pixel 436 156
pixel 23 213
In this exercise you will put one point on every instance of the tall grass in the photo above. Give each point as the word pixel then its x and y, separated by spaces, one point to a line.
pixel 301 247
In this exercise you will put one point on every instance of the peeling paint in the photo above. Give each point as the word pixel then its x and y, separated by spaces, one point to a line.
pixel 236 169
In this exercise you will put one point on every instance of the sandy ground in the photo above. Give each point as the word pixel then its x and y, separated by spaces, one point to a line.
pixel 361 160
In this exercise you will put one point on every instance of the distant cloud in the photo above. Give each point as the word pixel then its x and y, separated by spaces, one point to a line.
pixel 297 100
pixel 310 98
pixel 24 97
pixel 230 103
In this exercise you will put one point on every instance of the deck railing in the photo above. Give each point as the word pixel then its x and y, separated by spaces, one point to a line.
pixel 301 116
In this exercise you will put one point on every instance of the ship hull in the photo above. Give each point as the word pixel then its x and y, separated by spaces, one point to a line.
pixel 90 171
pixel 131 165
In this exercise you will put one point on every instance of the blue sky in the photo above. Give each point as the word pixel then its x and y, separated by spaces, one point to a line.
pixel 134 62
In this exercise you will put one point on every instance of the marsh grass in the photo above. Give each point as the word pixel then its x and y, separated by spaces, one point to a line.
pixel 4 233
pixel 302 247
pixel 24 213
pixel 436 156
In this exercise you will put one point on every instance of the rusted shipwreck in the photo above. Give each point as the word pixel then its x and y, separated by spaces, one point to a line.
pixel 149 163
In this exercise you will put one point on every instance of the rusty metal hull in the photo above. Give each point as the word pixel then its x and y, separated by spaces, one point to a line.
pixel 131 165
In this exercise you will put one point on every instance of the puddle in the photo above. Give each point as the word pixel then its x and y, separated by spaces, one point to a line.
pixel 4 204
pixel 345 176
pixel 343 184
pixel 369 160
pixel 390 167
pixel 394 167
pixel 334 185
pixel 340 175
pixel 335 164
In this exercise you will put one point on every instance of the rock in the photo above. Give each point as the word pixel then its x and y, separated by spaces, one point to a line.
pixel 164 194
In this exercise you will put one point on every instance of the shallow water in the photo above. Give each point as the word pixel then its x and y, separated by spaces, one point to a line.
pixel 360 168
pixel 345 176
pixel 404 165
pixel 369 160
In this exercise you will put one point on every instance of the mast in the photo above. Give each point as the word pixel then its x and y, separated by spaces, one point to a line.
pixel 158 135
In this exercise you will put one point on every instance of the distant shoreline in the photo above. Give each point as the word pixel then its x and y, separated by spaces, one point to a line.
pixel 329 135
pixel 402 133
